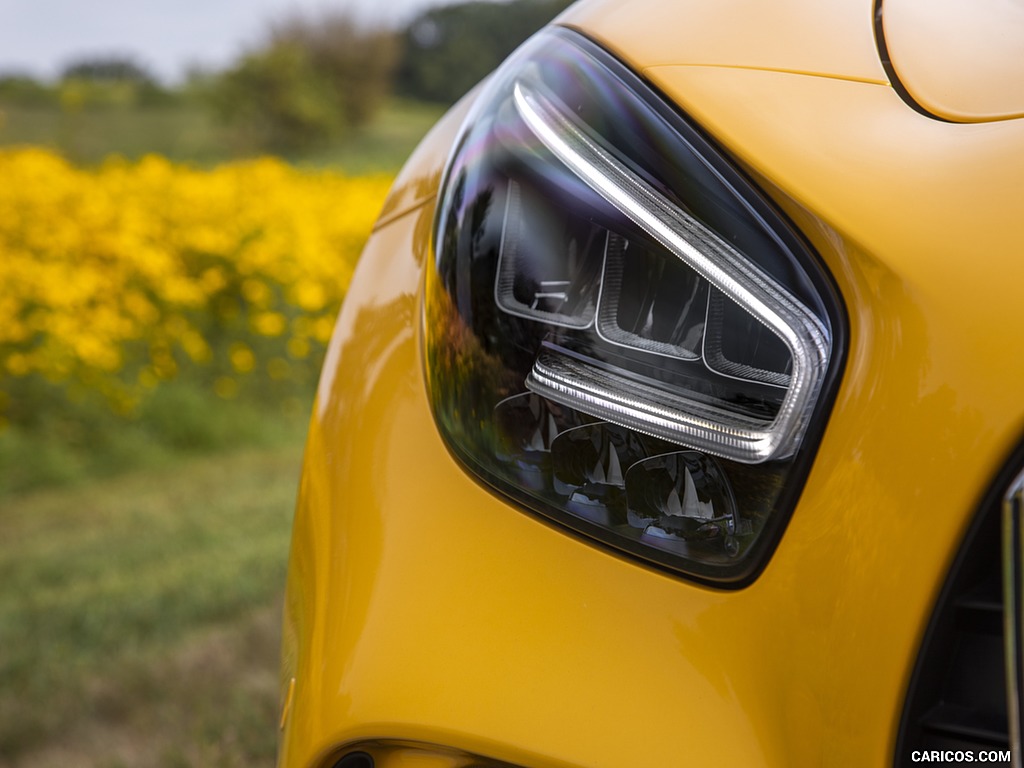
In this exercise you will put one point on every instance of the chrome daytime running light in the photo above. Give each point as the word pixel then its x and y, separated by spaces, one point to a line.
pixel 714 260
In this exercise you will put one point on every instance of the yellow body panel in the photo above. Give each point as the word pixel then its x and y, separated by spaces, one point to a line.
pixel 422 607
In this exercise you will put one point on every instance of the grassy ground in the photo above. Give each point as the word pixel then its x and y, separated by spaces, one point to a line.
pixel 180 132
pixel 139 616
pixel 76 443
pixel 189 132
pixel 386 142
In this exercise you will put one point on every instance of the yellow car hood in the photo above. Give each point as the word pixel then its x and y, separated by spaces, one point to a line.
pixel 834 39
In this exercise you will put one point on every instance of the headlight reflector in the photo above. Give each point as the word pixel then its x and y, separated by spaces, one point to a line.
pixel 617 323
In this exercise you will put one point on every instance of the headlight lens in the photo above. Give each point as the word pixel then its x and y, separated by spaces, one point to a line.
pixel 620 332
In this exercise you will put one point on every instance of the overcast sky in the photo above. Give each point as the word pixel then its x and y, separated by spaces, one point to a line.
pixel 40 36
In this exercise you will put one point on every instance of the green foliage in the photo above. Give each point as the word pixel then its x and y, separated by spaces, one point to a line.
pixel 107 69
pixel 357 62
pixel 25 91
pixel 88 84
pixel 75 94
pixel 310 82
pixel 187 131
pixel 81 439
pixel 274 100
pixel 109 81
pixel 448 49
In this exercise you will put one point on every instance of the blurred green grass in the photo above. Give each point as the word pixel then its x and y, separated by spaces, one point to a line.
pixel 385 143
pixel 139 615
pixel 179 132
pixel 83 440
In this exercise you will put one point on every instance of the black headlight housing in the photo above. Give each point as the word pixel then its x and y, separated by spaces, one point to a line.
pixel 621 332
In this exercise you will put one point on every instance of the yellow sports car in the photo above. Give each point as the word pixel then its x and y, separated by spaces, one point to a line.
pixel 675 415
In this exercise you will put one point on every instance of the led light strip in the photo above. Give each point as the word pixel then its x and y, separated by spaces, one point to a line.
pixel 634 405
pixel 650 409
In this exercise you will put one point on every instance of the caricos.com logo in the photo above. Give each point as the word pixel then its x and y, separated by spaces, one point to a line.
pixel 959 756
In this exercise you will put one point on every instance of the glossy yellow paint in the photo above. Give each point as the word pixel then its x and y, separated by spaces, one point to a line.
pixel 422 607
pixel 833 39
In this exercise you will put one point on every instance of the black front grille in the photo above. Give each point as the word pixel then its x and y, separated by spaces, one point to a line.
pixel 957 696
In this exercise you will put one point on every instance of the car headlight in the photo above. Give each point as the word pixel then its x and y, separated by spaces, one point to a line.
pixel 621 333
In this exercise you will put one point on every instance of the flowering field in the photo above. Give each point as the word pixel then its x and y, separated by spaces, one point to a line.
pixel 119 280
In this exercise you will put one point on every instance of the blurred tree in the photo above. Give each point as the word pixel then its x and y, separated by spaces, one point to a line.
pixel 107 80
pixel 356 60
pixel 448 49
pixel 107 69
pixel 24 90
pixel 274 100
pixel 311 79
